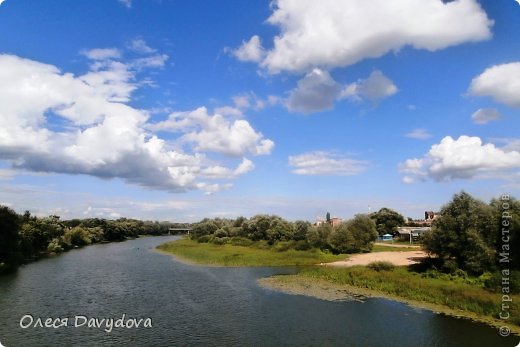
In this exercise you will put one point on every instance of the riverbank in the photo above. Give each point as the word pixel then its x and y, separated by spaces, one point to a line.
pixel 461 300
pixel 256 254
pixel 398 258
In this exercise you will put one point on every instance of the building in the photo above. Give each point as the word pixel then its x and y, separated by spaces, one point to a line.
pixel 334 221
pixel 429 217
pixel 411 233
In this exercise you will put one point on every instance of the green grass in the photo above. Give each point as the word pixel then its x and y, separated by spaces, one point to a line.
pixel 380 248
pixel 258 254
pixel 401 283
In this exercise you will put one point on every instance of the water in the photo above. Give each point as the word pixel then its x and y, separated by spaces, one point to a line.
pixel 203 306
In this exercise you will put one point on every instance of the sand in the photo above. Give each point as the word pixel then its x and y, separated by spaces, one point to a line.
pixel 396 258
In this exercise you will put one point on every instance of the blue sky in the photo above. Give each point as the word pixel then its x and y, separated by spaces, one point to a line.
pixel 180 110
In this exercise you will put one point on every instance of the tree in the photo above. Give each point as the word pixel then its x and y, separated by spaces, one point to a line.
pixel 387 220
pixel 464 233
pixel 317 236
pixel 355 235
pixel 9 238
pixel 300 230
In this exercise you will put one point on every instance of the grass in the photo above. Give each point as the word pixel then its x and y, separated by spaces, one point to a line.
pixel 258 254
pixel 381 248
pixel 405 285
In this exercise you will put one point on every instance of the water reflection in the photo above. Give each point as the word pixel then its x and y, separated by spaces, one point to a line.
pixel 204 306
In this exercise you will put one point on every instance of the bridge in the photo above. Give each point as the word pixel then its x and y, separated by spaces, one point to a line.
pixel 178 230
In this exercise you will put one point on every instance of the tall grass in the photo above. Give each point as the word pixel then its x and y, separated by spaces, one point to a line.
pixel 257 254
pixel 402 283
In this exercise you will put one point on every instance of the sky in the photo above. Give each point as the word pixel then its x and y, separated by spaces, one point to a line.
pixel 184 109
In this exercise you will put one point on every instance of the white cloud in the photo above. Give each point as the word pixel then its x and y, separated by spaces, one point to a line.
pixel 216 133
pixel 140 46
pixel 419 134
pixel 220 172
pixel 315 92
pixel 1 1
pixel 228 111
pixel 250 51
pixel 332 33
pixel 374 88
pixel 99 134
pixel 322 163
pixel 102 53
pixel 126 3
pixel 501 82
pixel 464 158
pixel 248 100
pixel 485 115
pixel 158 60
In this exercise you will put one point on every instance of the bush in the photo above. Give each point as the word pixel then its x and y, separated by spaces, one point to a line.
pixel 449 266
pixel 220 240
pixel 494 281
pixel 381 266
pixel 221 233
pixel 301 245
pixel 204 239
pixel 55 246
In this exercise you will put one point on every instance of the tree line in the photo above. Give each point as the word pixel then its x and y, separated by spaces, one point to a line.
pixel 355 235
pixel 26 237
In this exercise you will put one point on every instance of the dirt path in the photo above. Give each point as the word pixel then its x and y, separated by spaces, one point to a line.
pixel 396 258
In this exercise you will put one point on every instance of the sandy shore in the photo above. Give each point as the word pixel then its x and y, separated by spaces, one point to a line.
pixel 396 258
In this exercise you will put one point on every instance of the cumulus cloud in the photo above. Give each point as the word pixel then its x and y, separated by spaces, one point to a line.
pixel 140 46
pixel 500 82
pixel 315 92
pixel 374 88
pixel 485 115
pixel 419 134
pixel 349 31
pixel 220 172
pixel 322 163
pixel 57 122
pixel 102 53
pixel 463 158
pixel 250 51
pixel 216 133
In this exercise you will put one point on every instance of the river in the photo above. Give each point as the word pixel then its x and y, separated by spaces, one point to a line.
pixel 201 306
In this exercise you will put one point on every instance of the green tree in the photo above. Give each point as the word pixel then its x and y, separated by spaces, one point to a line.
pixel 300 230
pixel 317 236
pixel 387 220
pixel 9 238
pixel 355 235
pixel 464 233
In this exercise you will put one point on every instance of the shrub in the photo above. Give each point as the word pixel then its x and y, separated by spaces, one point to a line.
pixel 301 245
pixel 204 239
pixel 449 266
pixel 221 233
pixel 220 240
pixel 381 266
